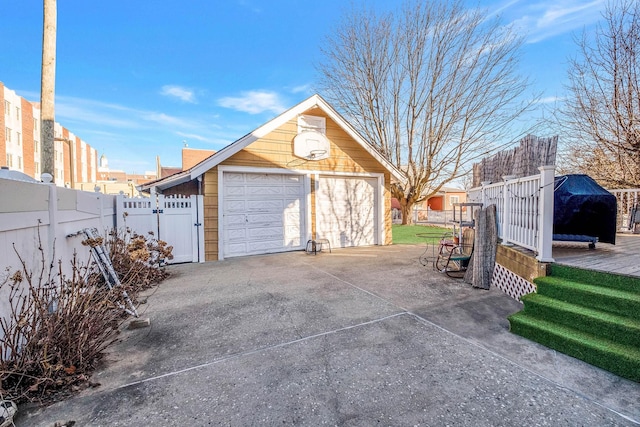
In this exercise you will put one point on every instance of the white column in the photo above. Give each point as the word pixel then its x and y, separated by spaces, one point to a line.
pixel 506 220
pixel 545 214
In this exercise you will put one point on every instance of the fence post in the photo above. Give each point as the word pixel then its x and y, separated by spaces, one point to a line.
pixel 506 211
pixel 53 218
pixel 545 214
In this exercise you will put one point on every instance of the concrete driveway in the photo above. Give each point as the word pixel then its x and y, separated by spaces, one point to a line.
pixel 358 337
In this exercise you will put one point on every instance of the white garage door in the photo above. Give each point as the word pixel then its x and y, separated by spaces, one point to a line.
pixel 347 211
pixel 263 213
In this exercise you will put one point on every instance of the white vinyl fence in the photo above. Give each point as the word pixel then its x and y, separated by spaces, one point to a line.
pixel 524 210
pixel 627 200
pixel 37 215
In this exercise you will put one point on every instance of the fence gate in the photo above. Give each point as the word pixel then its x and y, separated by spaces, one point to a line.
pixel 175 219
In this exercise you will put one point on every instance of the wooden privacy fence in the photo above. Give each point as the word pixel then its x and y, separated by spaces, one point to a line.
pixel 524 209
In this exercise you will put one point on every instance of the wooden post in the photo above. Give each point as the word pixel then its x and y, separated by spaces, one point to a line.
pixel 47 89
pixel 545 214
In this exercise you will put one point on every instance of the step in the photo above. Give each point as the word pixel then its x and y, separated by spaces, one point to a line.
pixel 620 329
pixel 600 298
pixel 622 360
pixel 597 278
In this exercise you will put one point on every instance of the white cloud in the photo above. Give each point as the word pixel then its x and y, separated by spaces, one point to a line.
pixel 254 102
pixel 181 93
pixel 193 136
pixel 306 88
pixel 549 100
pixel 542 19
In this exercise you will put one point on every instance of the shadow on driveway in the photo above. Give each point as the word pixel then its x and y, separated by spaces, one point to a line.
pixel 357 337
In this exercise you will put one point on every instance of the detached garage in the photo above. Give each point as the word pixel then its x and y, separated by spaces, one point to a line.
pixel 307 174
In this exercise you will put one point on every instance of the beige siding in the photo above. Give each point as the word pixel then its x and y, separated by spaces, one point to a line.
pixel 275 150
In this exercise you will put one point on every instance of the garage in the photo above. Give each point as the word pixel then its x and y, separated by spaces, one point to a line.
pixel 347 211
pixel 262 213
pixel 304 175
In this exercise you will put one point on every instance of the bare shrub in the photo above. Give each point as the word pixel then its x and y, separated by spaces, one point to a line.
pixel 55 333
pixel 58 326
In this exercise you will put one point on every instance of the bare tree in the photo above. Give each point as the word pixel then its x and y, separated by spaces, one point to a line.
pixel 47 89
pixel 433 87
pixel 602 111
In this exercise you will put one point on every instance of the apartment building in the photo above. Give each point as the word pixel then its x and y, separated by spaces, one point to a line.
pixel 20 148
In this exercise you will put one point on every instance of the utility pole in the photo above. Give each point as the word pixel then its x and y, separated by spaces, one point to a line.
pixel 47 88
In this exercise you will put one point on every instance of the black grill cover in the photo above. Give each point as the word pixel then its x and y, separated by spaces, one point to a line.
pixel 582 207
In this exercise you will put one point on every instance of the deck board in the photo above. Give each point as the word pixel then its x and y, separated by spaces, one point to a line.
pixel 621 258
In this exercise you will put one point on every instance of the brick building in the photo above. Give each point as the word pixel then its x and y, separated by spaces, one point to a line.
pixel 20 148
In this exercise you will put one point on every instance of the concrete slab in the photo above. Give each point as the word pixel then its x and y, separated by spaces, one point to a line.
pixel 356 337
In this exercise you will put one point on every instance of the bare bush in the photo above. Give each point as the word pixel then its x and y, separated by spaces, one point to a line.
pixel 55 333
pixel 59 326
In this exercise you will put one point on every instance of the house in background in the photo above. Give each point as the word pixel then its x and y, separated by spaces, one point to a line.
pixel 444 199
pixel 307 174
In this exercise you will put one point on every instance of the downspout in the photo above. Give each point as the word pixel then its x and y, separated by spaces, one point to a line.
pixel 198 223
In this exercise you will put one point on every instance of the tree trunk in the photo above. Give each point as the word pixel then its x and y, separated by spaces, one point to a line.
pixel 47 95
pixel 407 212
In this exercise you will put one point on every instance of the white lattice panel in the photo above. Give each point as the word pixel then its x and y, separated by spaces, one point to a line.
pixel 510 283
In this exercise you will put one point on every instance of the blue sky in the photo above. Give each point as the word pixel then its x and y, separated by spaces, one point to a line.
pixel 135 79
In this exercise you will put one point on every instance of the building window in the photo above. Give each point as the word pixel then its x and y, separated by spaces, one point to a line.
pixel 454 199
pixel 7 134
pixel 18 113
pixel 35 124
pixel 9 160
pixel 36 146
pixel 18 139
pixel 37 167
pixel 19 162
pixel 7 108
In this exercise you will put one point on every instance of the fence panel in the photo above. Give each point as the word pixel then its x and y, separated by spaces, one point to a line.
pixel 37 215
pixel 524 210
pixel 626 199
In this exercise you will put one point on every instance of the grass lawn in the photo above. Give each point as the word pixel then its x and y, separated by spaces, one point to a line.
pixel 407 234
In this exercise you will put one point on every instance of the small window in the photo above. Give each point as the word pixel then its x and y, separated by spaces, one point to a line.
pixel 36 146
pixel 18 138
pixel 312 123
pixel 454 199
pixel 37 167
pixel 7 108
pixel 19 163
pixel 18 113
pixel 7 134
pixel 9 160
pixel 35 124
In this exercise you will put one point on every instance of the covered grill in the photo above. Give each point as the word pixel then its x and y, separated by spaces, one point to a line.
pixel 583 211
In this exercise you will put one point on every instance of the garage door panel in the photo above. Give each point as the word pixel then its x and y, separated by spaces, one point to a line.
pixel 267 178
pixel 262 190
pixel 262 213
pixel 234 191
pixel 263 219
pixel 269 233
pixel 265 205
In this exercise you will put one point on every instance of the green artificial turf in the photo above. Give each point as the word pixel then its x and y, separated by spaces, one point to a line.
pixel 408 234
pixel 593 316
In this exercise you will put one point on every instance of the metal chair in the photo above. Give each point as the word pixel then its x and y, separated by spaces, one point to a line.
pixel 455 261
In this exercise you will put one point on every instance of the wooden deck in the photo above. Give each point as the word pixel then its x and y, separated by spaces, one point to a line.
pixel 621 258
